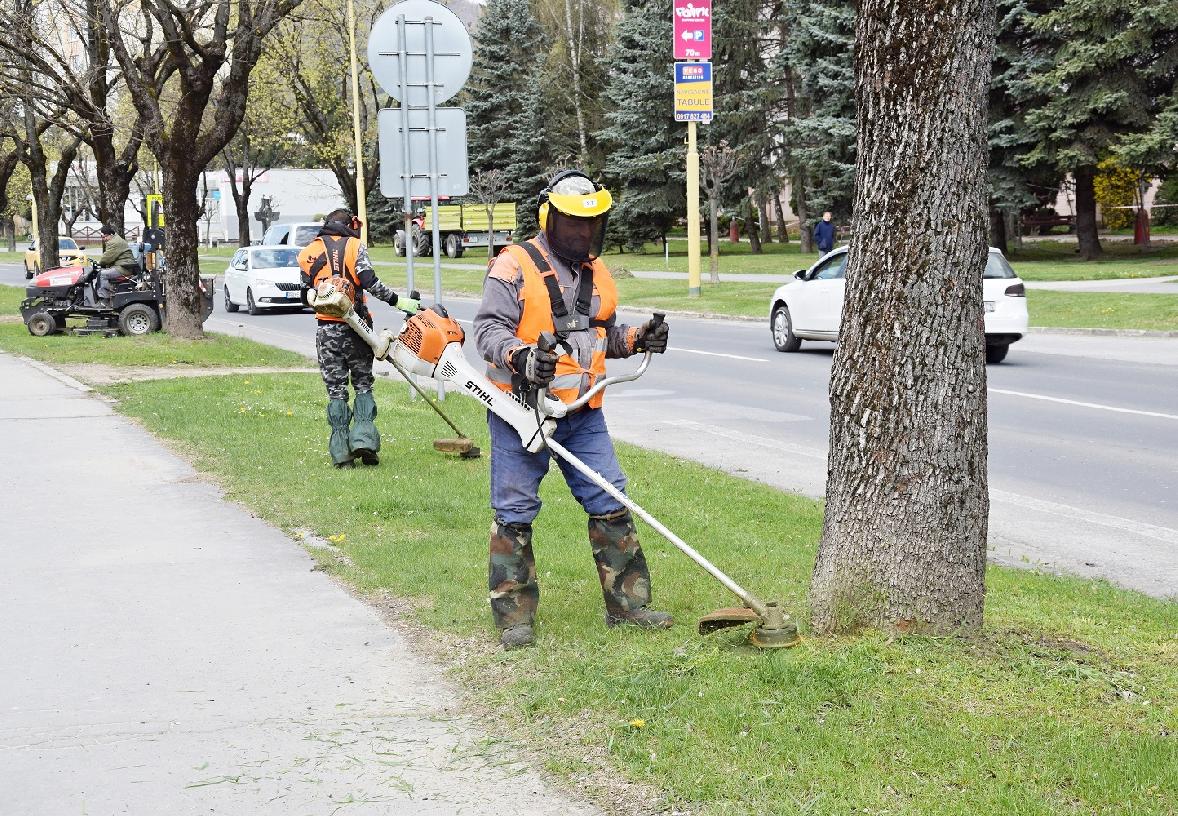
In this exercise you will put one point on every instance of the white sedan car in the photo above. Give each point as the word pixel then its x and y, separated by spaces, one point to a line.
pixel 811 307
pixel 263 277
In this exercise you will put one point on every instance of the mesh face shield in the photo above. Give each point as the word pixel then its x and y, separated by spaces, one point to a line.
pixel 573 238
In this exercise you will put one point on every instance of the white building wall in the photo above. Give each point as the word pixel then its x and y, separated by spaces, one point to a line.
pixel 298 195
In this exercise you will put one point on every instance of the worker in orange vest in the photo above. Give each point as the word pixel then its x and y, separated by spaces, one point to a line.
pixel 338 252
pixel 556 282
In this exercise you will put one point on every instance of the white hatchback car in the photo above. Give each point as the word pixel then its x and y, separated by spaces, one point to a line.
pixel 263 277
pixel 811 307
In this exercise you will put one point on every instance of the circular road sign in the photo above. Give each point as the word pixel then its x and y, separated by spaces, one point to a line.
pixel 452 51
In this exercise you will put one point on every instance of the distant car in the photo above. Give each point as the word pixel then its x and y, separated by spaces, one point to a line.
pixel 263 277
pixel 68 254
pixel 298 235
pixel 811 307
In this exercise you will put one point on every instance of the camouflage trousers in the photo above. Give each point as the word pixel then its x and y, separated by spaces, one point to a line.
pixel 621 568
pixel 341 354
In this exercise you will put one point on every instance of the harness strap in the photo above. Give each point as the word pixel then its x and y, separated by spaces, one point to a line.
pixel 556 299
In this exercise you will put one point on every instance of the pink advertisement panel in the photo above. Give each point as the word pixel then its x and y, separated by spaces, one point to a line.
pixel 693 29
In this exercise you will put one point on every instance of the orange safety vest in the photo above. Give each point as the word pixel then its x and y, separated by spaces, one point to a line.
pixel 538 297
pixel 330 255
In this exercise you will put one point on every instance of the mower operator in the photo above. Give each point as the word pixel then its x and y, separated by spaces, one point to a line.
pixel 338 252
pixel 117 261
pixel 558 277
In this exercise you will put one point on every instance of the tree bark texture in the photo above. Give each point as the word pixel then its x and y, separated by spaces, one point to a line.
pixel 805 228
pixel 713 240
pixel 904 537
pixel 752 227
pixel 183 317
pixel 1090 248
pixel 998 230
pixel 782 229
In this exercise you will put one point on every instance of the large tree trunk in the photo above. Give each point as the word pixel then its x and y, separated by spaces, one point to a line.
pixel 998 229
pixel 182 211
pixel 241 201
pixel 114 184
pixel 753 228
pixel 904 537
pixel 713 240
pixel 782 229
pixel 805 228
pixel 1090 248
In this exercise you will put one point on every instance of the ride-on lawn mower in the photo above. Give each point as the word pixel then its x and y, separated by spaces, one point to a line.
pixel 135 307
pixel 430 345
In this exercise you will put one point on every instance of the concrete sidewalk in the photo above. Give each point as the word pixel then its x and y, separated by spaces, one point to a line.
pixel 165 652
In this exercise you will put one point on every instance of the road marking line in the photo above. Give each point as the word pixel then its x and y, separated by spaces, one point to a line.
pixel 1083 404
pixel 719 354
pixel 1164 534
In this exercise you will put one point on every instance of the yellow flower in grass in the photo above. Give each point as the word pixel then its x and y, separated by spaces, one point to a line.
pixel 337 539
pixel 638 722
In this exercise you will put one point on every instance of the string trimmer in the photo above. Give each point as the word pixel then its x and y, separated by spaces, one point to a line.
pixel 430 345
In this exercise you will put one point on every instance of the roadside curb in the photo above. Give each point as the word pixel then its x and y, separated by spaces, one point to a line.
pixel 1104 332
pixel 61 377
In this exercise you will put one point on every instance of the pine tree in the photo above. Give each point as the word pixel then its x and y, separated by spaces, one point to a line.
pixel 747 94
pixel 1097 90
pixel 505 126
pixel 820 137
pixel 644 164
pixel 1016 184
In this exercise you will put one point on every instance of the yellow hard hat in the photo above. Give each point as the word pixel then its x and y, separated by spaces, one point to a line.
pixel 574 193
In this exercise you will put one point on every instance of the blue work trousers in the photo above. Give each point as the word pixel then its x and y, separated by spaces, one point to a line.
pixel 516 474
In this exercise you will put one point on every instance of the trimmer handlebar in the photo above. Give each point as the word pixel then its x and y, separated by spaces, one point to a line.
pixel 549 342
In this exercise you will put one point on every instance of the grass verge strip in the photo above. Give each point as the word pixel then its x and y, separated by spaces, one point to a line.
pixel 1065 705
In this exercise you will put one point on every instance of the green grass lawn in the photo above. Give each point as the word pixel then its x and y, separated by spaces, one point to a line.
pixel 1103 310
pixel 1065 705
pixel 1055 260
pixel 158 349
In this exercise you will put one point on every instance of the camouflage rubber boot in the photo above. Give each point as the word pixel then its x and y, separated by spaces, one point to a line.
pixel 339 416
pixel 621 566
pixel 365 439
pixel 512 581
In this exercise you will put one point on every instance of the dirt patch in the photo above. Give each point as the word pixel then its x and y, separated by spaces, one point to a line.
pixel 598 780
pixel 100 374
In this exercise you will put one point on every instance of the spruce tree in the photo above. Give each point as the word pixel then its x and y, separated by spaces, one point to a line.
pixel 1016 182
pixel 644 153
pixel 504 122
pixel 747 94
pixel 1097 90
pixel 820 137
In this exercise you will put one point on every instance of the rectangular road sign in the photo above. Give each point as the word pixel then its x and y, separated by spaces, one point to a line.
pixel 453 177
pixel 693 92
pixel 693 29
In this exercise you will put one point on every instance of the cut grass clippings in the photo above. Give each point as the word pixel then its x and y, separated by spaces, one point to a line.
pixel 157 349
pixel 1065 705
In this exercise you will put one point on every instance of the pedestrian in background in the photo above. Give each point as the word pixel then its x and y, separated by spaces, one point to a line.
pixel 824 234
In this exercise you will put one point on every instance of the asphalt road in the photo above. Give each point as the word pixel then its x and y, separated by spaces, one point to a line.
pixel 1083 431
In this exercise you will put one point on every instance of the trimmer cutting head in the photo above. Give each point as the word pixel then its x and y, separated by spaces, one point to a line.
pixel 775 629
pixel 465 448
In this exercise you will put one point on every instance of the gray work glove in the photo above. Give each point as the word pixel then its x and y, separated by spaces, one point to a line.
pixel 536 366
pixel 652 337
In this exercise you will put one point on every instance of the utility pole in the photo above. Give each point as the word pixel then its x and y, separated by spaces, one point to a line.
pixel 693 287
pixel 361 194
